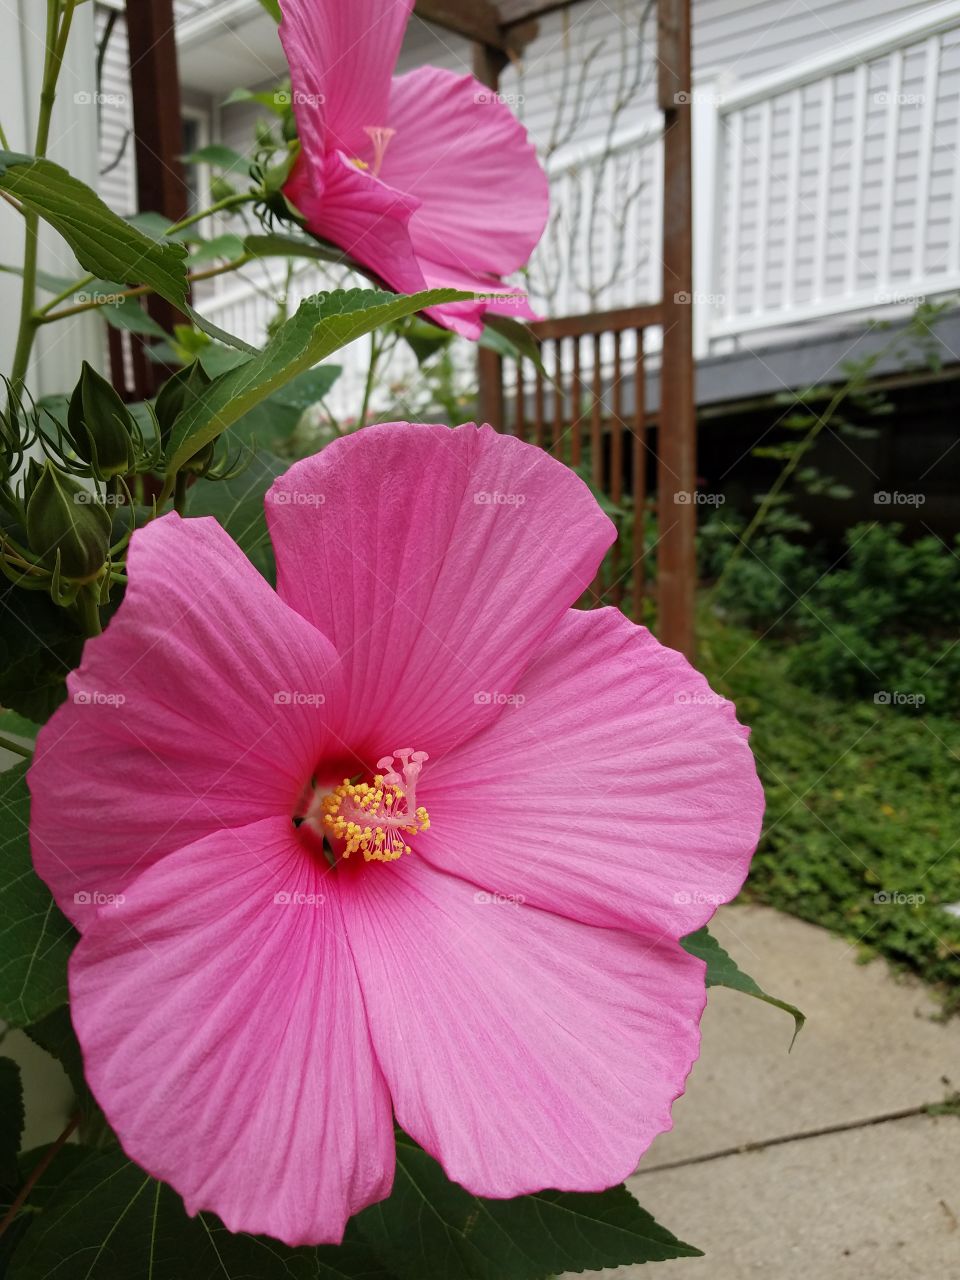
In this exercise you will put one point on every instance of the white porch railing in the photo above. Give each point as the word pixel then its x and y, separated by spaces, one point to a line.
pixel 825 189
pixel 833 186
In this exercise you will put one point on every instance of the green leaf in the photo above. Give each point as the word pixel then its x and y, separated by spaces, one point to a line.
pixel 308 388
pixel 47 282
pixel 510 338
pixel 722 971
pixel 56 1036
pixel 104 243
pixel 237 504
pixel 321 326
pixel 38 646
pixel 17 726
pixel 278 103
pixel 218 155
pixel 226 246
pixel 110 1221
pixel 11 1121
pixel 273 8
pixel 36 940
pixel 433 1227
pixel 131 316
pixel 278 246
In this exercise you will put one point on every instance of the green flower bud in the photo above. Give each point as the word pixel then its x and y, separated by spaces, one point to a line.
pixel 63 517
pixel 33 473
pixel 176 394
pixel 221 189
pixel 100 426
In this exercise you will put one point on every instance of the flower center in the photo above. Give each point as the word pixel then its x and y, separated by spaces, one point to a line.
pixel 380 136
pixel 375 818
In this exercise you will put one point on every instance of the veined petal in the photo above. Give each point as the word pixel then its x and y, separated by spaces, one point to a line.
pixel 483 194
pixel 616 788
pixel 205 704
pixel 523 1050
pixel 466 318
pixel 437 562
pixel 341 59
pixel 224 1035
pixel 359 214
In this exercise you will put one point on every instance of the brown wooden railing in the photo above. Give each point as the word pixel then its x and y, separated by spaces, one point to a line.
pixel 573 405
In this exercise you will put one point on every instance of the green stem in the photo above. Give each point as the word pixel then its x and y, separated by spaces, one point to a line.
pixel 180 494
pixel 70 290
pixel 368 385
pixel 88 606
pixel 10 744
pixel 138 291
pixel 228 202
pixel 39 1170
pixel 58 32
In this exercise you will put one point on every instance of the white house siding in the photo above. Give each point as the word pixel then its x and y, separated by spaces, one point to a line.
pixel 117 182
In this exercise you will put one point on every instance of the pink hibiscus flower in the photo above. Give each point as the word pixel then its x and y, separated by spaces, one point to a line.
pixel 409 836
pixel 427 179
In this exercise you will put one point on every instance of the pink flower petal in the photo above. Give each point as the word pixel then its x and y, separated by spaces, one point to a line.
pixel 176 723
pixel 523 1050
pixel 361 215
pixel 466 318
pixel 437 562
pixel 616 788
pixel 465 156
pixel 341 59
pixel 224 1035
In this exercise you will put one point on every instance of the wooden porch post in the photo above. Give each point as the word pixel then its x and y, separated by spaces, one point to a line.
pixel 158 140
pixel 488 62
pixel 676 423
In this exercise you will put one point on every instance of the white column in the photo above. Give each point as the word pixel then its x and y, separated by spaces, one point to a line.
pixel 73 143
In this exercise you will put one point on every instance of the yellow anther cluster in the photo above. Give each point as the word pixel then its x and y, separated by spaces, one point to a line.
pixel 382 839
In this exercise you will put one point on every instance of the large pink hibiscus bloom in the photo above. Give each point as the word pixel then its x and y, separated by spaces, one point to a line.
pixel 427 178
pixel 541 801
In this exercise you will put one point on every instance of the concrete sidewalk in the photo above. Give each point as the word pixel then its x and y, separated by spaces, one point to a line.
pixel 878 1198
